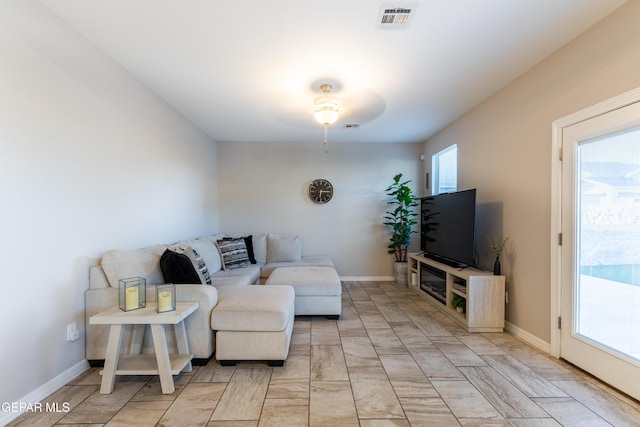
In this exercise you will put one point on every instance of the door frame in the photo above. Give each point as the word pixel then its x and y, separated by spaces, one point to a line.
pixel 558 126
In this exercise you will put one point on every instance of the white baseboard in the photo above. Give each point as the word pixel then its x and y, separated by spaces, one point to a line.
pixel 45 390
pixel 367 278
pixel 530 339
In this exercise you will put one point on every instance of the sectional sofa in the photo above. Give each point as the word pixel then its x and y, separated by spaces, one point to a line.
pixel 215 268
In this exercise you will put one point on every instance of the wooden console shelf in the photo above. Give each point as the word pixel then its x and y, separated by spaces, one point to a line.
pixel 482 292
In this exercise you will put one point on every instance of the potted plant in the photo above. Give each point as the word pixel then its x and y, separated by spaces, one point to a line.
pixel 497 246
pixel 458 303
pixel 400 218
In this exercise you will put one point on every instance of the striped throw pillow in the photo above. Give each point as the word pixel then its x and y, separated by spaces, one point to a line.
pixel 233 253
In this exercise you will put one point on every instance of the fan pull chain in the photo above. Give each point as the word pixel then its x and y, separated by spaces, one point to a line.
pixel 326 144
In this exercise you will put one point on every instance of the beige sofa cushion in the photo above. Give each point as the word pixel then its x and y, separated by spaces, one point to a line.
pixel 317 261
pixel 143 263
pixel 308 280
pixel 251 273
pixel 253 308
pixel 260 248
pixel 282 247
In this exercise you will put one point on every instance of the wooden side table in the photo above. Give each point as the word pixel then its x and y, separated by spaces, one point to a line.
pixel 135 363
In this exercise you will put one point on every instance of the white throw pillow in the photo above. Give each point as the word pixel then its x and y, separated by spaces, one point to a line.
pixel 282 247
pixel 199 264
pixel 209 253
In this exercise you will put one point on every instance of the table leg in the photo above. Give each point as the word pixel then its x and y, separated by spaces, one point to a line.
pixel 111 359
pixel 137 337
pixel 183 343
pixel 162 358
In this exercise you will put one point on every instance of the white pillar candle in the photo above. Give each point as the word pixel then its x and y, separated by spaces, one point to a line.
pixel 131 298
pixel 164 301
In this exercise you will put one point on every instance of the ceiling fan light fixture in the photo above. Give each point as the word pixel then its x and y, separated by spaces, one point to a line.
pixel 327 107
pixel 326 116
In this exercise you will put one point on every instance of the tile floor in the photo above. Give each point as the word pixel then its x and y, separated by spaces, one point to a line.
pixel 390 360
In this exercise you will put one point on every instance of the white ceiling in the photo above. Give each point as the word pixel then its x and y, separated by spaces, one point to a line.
pixel 249 70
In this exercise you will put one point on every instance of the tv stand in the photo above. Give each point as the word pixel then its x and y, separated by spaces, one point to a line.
pixel 444 261
pixel 480 294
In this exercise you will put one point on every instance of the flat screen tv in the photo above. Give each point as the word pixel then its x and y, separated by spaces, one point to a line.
pixel 447 228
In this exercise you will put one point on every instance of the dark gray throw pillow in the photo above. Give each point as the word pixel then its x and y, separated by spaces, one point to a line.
pixel 177 268
pixel 248 241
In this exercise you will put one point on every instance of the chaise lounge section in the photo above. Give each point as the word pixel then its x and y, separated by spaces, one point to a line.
pixel 253 323
pixel 318 289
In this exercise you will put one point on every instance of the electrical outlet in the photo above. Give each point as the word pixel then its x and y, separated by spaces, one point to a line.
pixel 72 332
pixel 506 297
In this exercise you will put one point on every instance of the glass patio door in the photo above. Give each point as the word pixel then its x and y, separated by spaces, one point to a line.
pixel 600 301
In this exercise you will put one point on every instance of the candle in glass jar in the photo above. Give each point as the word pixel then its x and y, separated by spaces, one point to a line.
pixel 164 301
pixel 131 298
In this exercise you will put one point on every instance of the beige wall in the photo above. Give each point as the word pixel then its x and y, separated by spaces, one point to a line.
pixel 263 188
pixel 504 150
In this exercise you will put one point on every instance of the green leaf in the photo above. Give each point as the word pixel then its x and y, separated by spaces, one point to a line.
pixel 400 216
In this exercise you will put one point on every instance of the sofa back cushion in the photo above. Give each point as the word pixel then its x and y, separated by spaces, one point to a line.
pixel 281 247
pixel 260 248
pixel 144 263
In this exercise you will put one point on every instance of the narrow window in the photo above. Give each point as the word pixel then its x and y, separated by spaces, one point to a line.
pixel 445 170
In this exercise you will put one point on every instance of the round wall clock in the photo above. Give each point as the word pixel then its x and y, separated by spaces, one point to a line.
pixel 320 191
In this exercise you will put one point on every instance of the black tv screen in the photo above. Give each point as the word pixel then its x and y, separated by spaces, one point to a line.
pixel 447 227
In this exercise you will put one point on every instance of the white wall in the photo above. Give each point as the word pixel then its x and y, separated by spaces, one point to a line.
pixel 89 160
pixel 263 188
pixel 504 149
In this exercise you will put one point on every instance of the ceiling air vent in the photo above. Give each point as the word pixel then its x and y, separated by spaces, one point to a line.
pixel 396 16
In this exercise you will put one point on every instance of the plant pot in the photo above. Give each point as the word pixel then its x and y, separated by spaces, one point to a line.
pixel 496 267
pixel 400 271
pixel 460 309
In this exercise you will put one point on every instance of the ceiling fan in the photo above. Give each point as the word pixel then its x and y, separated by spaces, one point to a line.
pixel 327 104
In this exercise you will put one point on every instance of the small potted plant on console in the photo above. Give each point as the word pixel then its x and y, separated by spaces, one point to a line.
pixel 497 247
pixel 458 303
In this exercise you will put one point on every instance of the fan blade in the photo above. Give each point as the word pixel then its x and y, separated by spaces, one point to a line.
pixel 293 110
pixel 362 107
